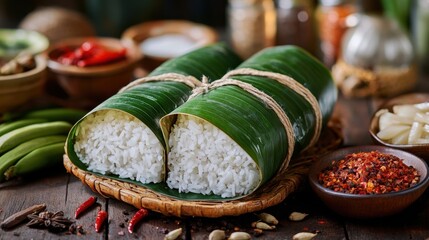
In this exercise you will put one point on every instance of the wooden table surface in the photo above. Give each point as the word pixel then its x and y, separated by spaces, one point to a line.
pixel 62 191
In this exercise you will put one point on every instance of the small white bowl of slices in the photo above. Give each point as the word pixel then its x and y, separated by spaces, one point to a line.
pixel 403 123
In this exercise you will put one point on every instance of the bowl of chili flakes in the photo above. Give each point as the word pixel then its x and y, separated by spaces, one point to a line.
pixel 369 181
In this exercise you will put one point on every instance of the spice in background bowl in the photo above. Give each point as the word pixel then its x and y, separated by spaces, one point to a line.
pixel 369 173
pixel 168 45
pixel 161 40
pixel 358 190
pixel 23 62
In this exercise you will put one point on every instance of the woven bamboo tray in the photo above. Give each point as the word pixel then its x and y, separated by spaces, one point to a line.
pixel 272 193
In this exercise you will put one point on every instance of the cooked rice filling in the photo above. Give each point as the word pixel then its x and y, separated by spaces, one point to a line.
pixel 203 159
pixel 114 142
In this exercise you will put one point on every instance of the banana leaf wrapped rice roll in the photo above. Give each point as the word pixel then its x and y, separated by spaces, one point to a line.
pixel 236 135
pixel 121 138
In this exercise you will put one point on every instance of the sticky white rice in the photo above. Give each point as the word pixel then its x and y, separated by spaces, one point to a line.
pixel 203 159
pixel 111 141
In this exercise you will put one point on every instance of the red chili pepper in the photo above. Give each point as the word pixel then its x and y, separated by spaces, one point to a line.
pixel 102 57
pixel 100 219
pixel 140 214
pixel 87 50
pixel 80 54
pixel 89 46
pixel 67 58
pixel 89 53
pixel 85 205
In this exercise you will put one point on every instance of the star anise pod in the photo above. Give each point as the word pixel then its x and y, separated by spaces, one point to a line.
pixel 53 221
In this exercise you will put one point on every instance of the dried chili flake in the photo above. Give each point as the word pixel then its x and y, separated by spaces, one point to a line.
pixel 369 173
pixel 321 221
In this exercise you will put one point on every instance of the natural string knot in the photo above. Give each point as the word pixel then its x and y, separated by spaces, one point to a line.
pixel 203 87
pixel 205 80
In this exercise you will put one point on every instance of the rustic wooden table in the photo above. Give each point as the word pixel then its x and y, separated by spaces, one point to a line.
pixel 61 191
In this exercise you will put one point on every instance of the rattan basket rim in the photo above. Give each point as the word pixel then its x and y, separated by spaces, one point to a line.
pixel 272 193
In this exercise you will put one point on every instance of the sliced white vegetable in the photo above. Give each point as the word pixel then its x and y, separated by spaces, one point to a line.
pixel 387 119
pixel 392 131
pixel 415 132
pixel 400 139
pixel 406 110
pixel 424 106
pixel 421 117
pixel 426 128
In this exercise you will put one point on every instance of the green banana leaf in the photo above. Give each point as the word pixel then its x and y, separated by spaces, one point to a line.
pixel 250 122
pixel 150 101
pixel 399 10
pixel 305 69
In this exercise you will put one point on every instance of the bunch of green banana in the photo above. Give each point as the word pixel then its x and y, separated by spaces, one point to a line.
pixel 34 140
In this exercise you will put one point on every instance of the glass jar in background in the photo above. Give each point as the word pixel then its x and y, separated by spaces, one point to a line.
pixel 333 21
pixel 251 25
pixel 377 42
pixel 295 24
pixel 420 33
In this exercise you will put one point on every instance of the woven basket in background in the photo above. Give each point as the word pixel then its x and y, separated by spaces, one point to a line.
pixel 359 82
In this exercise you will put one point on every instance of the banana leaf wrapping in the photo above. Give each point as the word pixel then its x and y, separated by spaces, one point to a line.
pixel 253 123
pixel 166 88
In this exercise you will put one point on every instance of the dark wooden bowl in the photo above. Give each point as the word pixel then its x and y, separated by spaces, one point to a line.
pixel 421 150
pixel 20 89
pixel 369 206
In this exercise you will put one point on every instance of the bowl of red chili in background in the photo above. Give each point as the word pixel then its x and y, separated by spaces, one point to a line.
pixel 86 71
pixel 419 149
pixel 374 202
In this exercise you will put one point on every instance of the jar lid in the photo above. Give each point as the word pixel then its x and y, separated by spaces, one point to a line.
pixel 288 4
pixel 330 3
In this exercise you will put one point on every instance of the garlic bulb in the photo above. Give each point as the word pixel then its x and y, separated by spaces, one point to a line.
pixel 377 42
